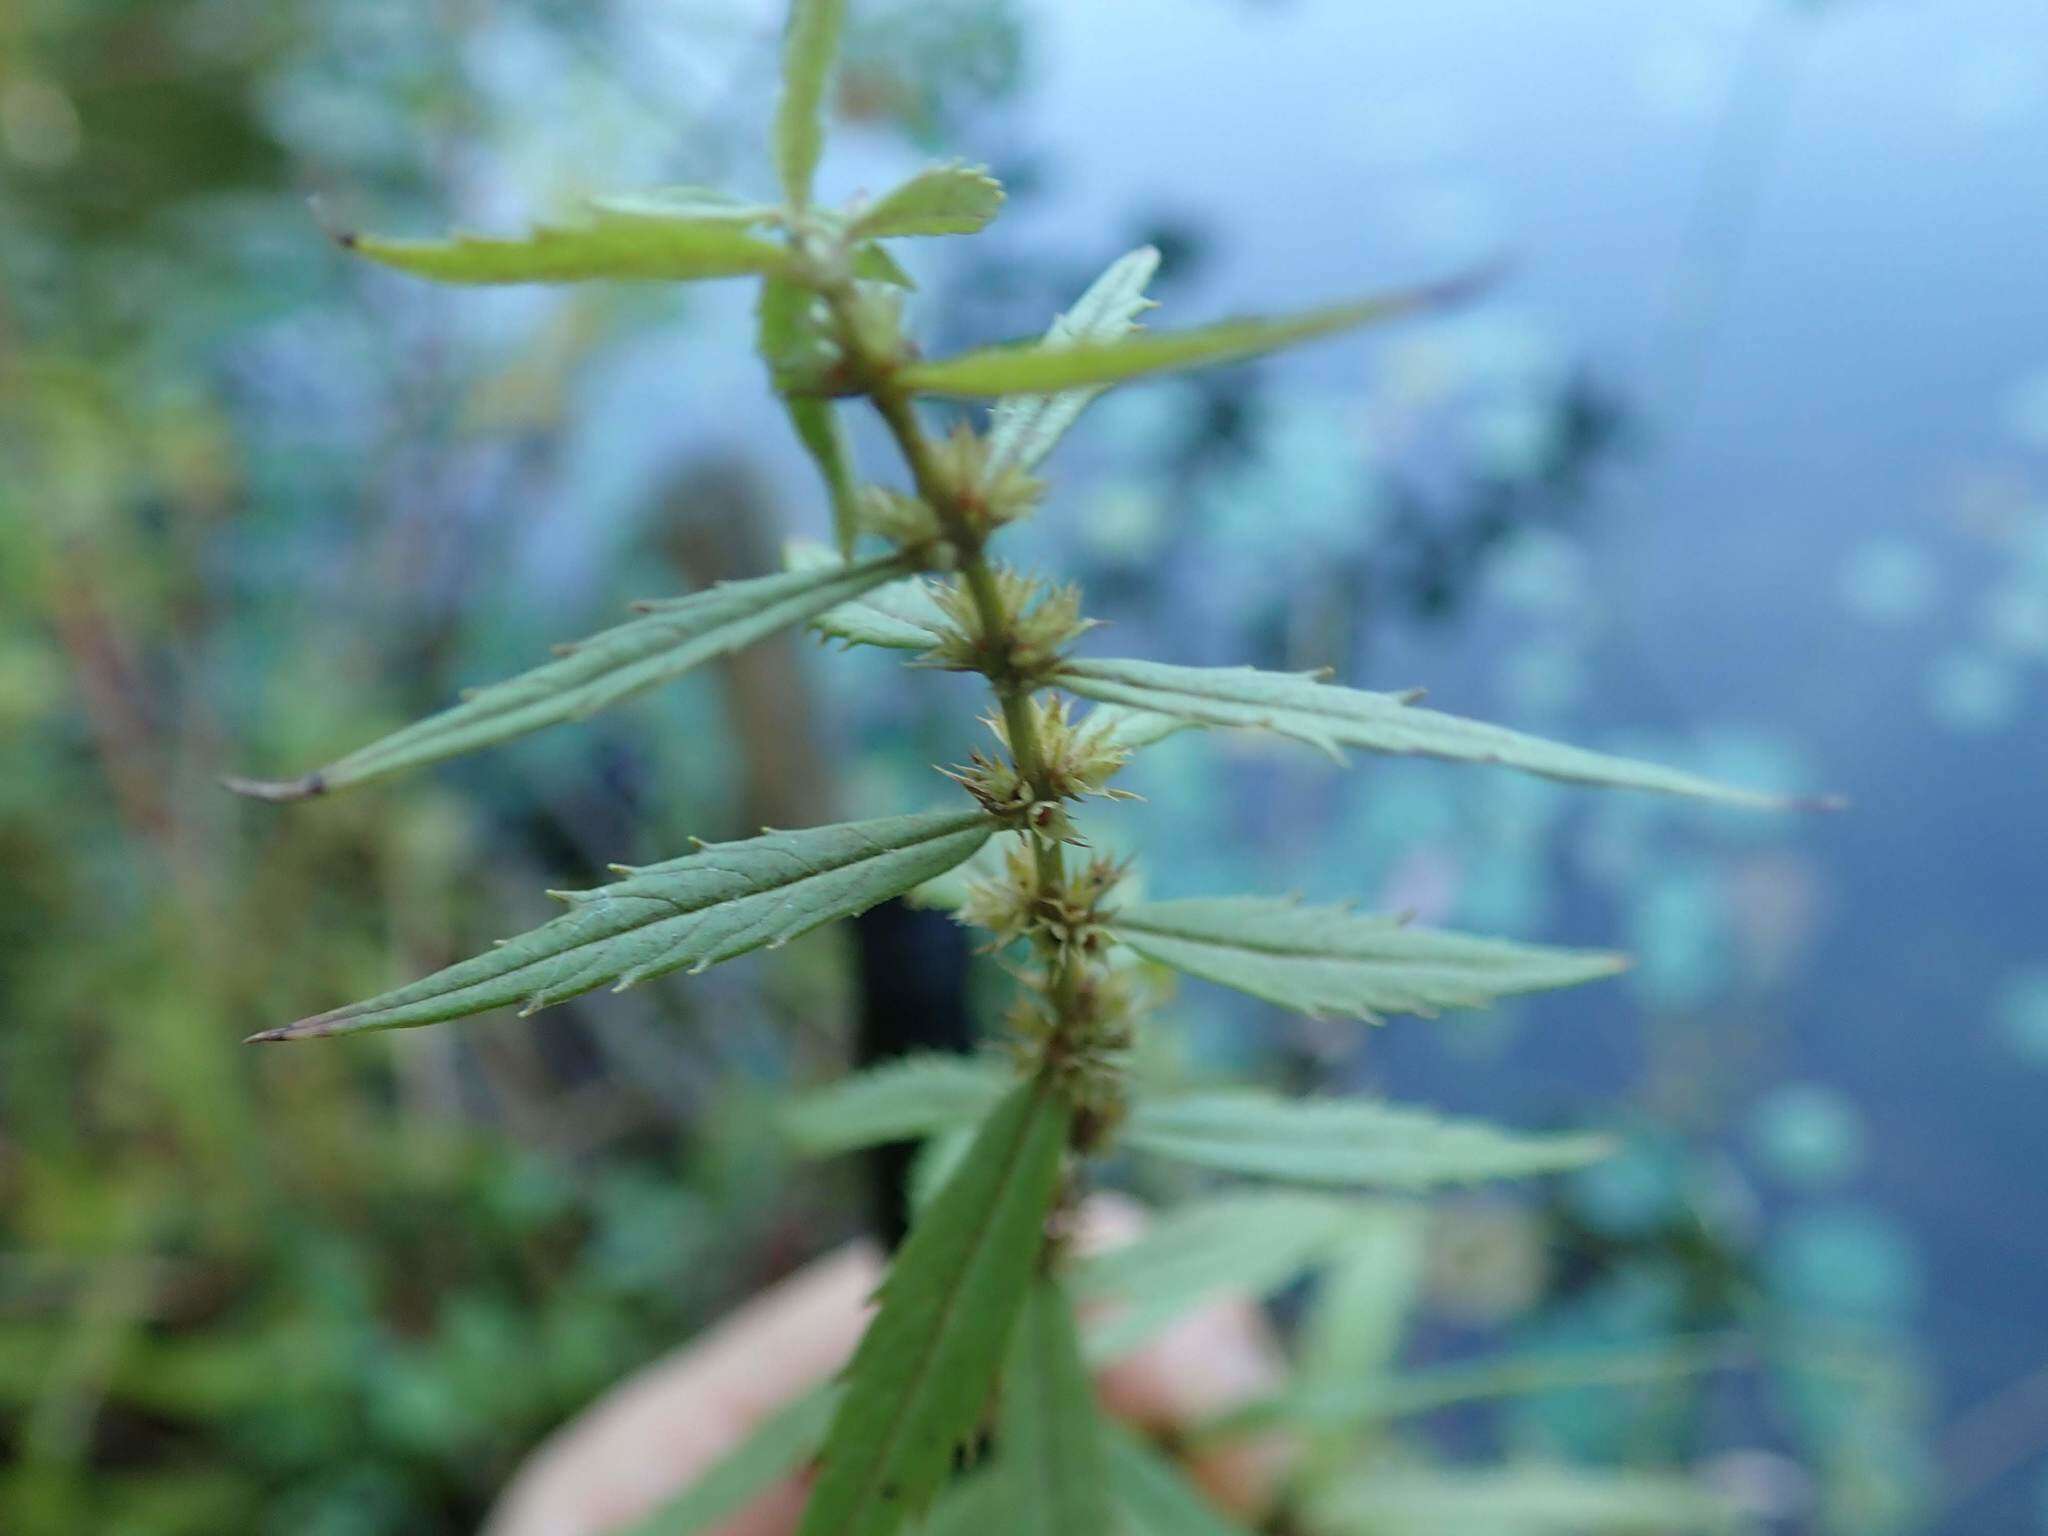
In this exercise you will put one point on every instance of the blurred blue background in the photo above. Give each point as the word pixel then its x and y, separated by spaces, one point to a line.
pixel 1742 463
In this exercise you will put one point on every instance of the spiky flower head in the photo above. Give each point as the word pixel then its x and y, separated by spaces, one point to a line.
pixel 1033 625
pixel 1014 904
pixel 1078 762
pixel 983 499
pixel 1079 1025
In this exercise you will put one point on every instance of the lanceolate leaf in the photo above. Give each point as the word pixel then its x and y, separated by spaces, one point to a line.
pixel 1246 1243
pixel 619 238
pixel 777 1449
pixel 1353 1328
pixel 1355 1399
pixel 1534 1499
pixel 674 636
pixel 901 616
pixel 1343 1141
pixel 721 901
pixel 1046 366
pixel 1333 960
pixel 978 1504
pixel 906 1100
pixel 1051 1433
pixel 699 205
pixel 1152 1495
pixel 1134 729
pixel 1331 717
pixel 808 48
pixel 922 1375
pixel 823 435
pixel 1024 428
pixel 953 199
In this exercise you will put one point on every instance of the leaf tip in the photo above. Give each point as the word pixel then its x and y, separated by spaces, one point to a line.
pixel 276 791
pixel 311 1028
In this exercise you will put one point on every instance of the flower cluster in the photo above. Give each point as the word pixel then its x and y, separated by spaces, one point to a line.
pixel 981 498
pixel 1075 760
pixel 1033 624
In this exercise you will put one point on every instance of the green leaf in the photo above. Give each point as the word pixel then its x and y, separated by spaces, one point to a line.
pixel 809 45
pixel 1044 366
pixel 1354 1325
pixel 902 616
pixel 922 1375
pixel 873 264
pixel 1533 1499
pixel 1133 729
pixel 978 1504
pixel 1051 1432
pixel 1247 1243
pixel 953 199
pixel 1329 716
pixel 691 204
pixel 777 1449
pixel 1343 1141
pixel 1353 1400
pixel 1024 428
pixel 617 238
pixel 823 435
pixel 1351 1333
pixel 905 1100
pixel 723 900
pixel 935 1163
pixel 1152 1495
pixel 674 636
pixel 788 335
pixel 1320 960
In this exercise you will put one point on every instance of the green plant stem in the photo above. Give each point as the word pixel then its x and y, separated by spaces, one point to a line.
pixel 1013 697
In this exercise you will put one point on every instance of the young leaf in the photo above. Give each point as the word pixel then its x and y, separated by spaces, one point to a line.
pixel 1320 960
pixel 1248 1243
pixel 1051 1433
pixel 922 1375
pixel 1152 1495
pixel 1343 1141
pixel 823 435
pixel 905 1100
pixel 872 263
pixel 809 45
pixel 675 636
pixel 1330 716
pixel 697 205
pixel 953 199
pixel 1024 428
pixel 1044 366
pixel 618 238
pixel 776 1450
pixel 1532 1499
pixel 723 900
